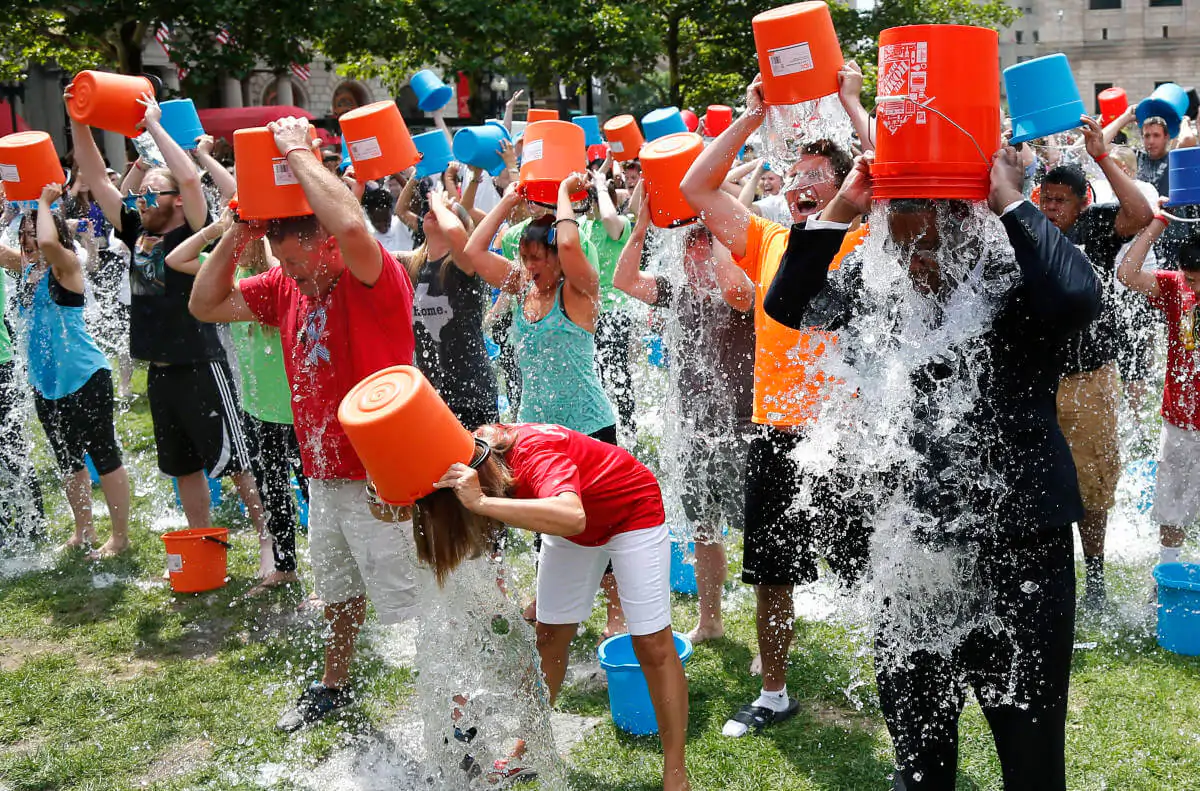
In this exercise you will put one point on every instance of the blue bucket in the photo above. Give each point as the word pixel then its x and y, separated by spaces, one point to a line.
pixel 1184 176
pixel 662 122
pixel 628 695
pixel 683 574
pixel 435 153
pixel 301 503
pixel 591 129
pixel 432 93
pixel 1144 473
pixel 655 352
pixel 479 146
pixel 91 468
pixel 1179 607
pixel 1169 102
pixel 1043 97
pixel 214 491
pixel 182 122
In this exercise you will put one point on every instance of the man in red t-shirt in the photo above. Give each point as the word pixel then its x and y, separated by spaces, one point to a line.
pixel 344 310
pixel 1177 491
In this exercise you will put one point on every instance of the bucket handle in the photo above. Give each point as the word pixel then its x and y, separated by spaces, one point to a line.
pixel 925 105
pixel 1173 218
pixel 216 540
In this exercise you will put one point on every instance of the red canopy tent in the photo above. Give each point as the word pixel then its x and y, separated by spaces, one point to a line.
pixel 6 120
pixel 224 121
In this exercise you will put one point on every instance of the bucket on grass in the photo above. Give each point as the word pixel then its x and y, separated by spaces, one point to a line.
pixel 590 125
pixel 665 162
pixel 182 122
pixel 1043 97
pixel 662 122
pixel 378 141
pixel 435 153
pixel 1168 102
pixel 215 496
pixel 1179 607
pixel 553 150
pixel 717 119
pixel 109 101
pixel 536 114
pixel 479 146
pixel 798 52
pixel 628 695
pixel 28 162
pixel 432 93
pixel 624 138
pixel 197 559
pixel 683 574
pixel 267 188
pixel 1113 102
pixel 1184 174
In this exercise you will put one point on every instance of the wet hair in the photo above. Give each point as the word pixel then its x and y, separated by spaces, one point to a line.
pixel 165 173
pixel 540 232
pixel 1156 120
pixel 374 200
pixel 305 226
pixel 1068 176
pixel 65 237
pixel 445 532
pixel 838 157
pixel 1189 255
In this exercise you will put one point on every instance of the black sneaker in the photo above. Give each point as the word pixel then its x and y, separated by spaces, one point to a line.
pixel 315 704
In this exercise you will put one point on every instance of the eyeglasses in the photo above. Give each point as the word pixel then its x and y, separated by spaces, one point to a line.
pixel 150 197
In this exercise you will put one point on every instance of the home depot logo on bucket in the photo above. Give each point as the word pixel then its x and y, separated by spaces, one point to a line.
pixel 903 71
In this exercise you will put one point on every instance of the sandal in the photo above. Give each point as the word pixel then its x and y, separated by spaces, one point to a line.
pixel 759 717
pixel 315 703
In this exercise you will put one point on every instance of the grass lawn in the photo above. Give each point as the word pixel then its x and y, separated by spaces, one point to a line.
pixel 108 681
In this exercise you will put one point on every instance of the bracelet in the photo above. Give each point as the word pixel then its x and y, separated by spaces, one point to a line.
pixel 139 162
pixel 1164 219
pixel 1100 158
pixel 288 153
pixel 567 219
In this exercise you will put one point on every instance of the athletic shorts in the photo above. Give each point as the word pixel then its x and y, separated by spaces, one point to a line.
pixel 82 423
pixel 714 484
pixel 1177 491
pixel 568 578
pixel 197 420
pixel 1087 414
pixel 354 554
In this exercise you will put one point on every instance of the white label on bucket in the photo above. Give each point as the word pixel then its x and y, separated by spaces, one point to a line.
pixel 9 173
pixel 367 148
pixel 532 152
pixel 790 60
pixel 903 79
pixel 616 146
pixel 174 563
pixel 283 173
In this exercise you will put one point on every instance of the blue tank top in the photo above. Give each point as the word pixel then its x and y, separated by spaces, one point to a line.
pixel 61 354
pixel 559 382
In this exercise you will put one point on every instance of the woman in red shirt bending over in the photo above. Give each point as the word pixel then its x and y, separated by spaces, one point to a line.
pixel 592 502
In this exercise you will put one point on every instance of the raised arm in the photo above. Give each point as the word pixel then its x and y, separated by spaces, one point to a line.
pixel 62 258
pixel 561 515
pixel 576 267
pixel 508 110
pixel 614 224
pixel 1136 212
pixel 628 276
pixel 1120 122
pixel 439 121
pixel 452 229
pixel 215 296
pixel 1130 272
pixel 186 257
pixel 850 83
pixel 497 270
pixel 750 188
pixel 91 168
pixel 737 288
pixel 195 206
pixel 404 203
pixel 226 183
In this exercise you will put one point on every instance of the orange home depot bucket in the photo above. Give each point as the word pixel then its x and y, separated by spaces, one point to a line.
pixel 665 162
pixel 943 149
pixel 197 559
pixel 403 432
pixel 624 137
pixel 28 162
pixel 109 101
pixel 1113 102
pixel 267 188
pixel 536 114
pixel 798 52
pixel 378 140
pixel 553 150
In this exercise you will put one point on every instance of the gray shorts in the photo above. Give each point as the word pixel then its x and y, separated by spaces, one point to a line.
pixel 714 483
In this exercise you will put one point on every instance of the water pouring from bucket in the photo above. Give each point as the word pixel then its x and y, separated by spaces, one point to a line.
pixel 267 188
pixel 109 101
pixel 377 140
pixel 28 162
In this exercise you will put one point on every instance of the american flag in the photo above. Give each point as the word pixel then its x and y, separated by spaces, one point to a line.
pixel 163 34
pixel 223 35
pixel 302 72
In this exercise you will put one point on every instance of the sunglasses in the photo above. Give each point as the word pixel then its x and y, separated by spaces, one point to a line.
pixel 150 197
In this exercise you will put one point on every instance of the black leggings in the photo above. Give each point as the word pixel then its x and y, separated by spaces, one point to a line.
pixel 1020 674
pixel 614 331
pixel 274 452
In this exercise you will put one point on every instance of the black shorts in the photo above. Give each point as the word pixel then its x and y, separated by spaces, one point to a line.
pixel 82 423
pixel 197 420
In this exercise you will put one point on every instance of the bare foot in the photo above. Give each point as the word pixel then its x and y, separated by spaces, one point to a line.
pixel 266 559
pixel 273 580
pixel 706 632
pixel 312 604
pixel 112 548
pixel 756 665
pixel 77 541
pixel 530 613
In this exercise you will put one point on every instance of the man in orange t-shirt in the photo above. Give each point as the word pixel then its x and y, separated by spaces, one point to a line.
pixel 779 548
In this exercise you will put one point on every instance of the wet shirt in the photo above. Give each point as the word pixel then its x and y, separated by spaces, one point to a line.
pixel 264 391
pixel 618 492
pixel 330 344
pixel 5 340
pixel 1181 393
pixel 608 251
pixel 60 352
pixel 1095 233
pixel 161 328
pixel 1155 171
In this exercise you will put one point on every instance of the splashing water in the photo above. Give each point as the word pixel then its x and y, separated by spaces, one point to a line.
pixel 787 128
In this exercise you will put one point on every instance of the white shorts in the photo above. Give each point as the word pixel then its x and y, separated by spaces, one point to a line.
pixel 569 577
pixel 1177 491
pixel 354 554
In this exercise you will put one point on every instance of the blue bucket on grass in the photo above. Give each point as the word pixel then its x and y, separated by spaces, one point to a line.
pixel 1179 607
pixel 662 122
pixel 1043 98
pixel 182 122
pixel 435 153
pixel 1168 102
pixel 214 491
pixel 1144 473
pixel 479 146
pixel 591 129
pixel 432 93
pixel 683 574
pixel 628 695
pixel 1184 176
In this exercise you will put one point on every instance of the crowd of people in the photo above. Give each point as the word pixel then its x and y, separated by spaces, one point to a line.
pixel 253 332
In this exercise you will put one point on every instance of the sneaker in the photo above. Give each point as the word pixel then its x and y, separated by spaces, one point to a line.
pixel 317 702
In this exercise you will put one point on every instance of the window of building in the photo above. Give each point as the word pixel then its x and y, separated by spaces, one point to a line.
pixel 1164 31
pixel 1104 34
pixel 1020 35
pixel 1099 87
pixel 1103 5
pixel 1165 4
pixel 1035 37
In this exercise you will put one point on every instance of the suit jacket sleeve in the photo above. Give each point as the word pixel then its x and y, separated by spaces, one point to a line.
pixel 803 278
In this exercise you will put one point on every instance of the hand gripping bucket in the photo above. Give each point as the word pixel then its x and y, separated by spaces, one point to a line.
pixel 1169 102
pixel 182 122
pixel 1184 175
pixel 718 118
pixel 109 101
pixel 553 150
pixel 403 432
pixel 624 138
pixel 197 559
pixel 665 162
pixel 1043 97
pixel 435 153
pixel 662 122
pixel 378 141
pixel 479 146
pixel 28 162
pixel 267 188
pixel 1179 607
pixel 536 114
pixel 628 695
pixel 590 125
pixel 798 52
pixel 938 110
pixel 432 93
pixel 1113 102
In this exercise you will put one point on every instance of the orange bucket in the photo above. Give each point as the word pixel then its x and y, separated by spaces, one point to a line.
pixel 624 137
pixel 378 141
pixel 197 559
pixel 28 162
pixel 1113 102
pixel 109 101
pixel 942 150
pixel 536 114
pixel 665 162
pixel 267 188
pixel 553 150
pixel 798 52
pixel 717 119
pixel 403 432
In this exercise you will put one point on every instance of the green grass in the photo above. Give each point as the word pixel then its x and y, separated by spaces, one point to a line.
pixel 127 686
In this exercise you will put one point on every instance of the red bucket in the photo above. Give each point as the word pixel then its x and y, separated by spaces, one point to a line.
pixel 197 559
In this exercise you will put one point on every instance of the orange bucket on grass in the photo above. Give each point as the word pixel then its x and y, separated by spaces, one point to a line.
pixel 536 114
pixel 403 432
pixel 625 139
pixel 197 560
pixel 378 141
pixel 267 188
pixel 665 162
pixel 798 52
pixel 553 150
pixel 109 101
pixel 28 162
pixel 938 112
pixel 1113 102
